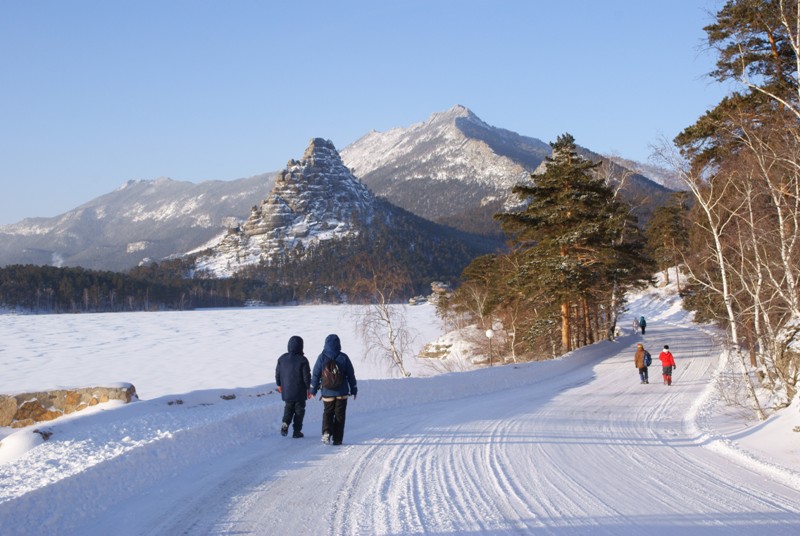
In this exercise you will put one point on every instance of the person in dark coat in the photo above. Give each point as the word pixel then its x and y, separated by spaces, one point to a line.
pixel 640 363
pixel 642 324
pixel 335 400
pixel 293 378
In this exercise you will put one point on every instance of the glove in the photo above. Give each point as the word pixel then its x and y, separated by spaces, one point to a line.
pixel 280 389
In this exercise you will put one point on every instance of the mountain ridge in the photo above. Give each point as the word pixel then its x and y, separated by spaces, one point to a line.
pixel 453 169
pixel 138 221
pixel 420 166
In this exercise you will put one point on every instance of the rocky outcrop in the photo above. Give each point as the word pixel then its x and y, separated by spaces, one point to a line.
pixel 317 208
pixel 313 200
pixel 26 409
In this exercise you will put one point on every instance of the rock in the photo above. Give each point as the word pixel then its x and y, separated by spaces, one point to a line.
pixel 313 200
pixel 25 409
pixel 8 408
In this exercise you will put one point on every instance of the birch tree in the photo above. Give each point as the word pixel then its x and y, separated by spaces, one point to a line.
pixel 709 192
pixel 747 151
pixel 381 320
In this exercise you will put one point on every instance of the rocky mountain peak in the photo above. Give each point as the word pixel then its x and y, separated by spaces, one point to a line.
pixel 454 115
pixel 321 150
pixel 314 199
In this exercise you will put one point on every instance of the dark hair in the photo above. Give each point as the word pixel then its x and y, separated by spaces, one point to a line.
pixel 666 347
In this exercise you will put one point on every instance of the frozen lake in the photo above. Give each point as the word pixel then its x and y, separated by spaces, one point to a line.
pixel 232 347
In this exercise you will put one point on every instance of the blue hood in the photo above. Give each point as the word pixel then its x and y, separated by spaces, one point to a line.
pixel 333 346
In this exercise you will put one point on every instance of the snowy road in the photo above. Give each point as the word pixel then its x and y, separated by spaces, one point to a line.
pixel 576 446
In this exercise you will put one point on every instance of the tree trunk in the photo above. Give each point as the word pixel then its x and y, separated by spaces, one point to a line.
pixel 727 298
pixel 612 313
pixel 566 335
pixel 587 322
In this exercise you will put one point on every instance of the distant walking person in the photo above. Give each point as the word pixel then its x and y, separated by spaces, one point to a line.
pixel 635 326
pixel 667 364
pixel 642 324
pixel 642 360
pixel 334 375
pixel 293 378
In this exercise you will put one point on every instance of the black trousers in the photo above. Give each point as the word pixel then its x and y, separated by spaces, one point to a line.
pixel 333 416
pixel 294 411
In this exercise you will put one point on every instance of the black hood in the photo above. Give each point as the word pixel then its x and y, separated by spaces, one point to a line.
pixel 296 345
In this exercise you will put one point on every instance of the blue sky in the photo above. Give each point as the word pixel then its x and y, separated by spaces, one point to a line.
pixel 95 93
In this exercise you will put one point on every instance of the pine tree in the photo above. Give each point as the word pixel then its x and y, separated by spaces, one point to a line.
pixel 572 232
pixel 755 47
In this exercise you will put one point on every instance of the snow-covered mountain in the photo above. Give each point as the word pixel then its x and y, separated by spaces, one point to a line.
pixel 448 165
pixel 317 201
pixel 452 145
pixel 143 219
pixel 452 169
pixel 456 169
pixel 313 200
pixel 655 173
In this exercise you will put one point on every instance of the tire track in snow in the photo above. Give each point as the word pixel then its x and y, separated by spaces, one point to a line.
pixel 501 465
pixel 390 484
pixel 551 458
pixel 436 479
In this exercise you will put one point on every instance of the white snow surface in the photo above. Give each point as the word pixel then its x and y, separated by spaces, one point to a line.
pixel 571 446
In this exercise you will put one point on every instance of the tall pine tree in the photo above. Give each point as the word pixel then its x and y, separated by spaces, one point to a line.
pixel 572 231
pixel 756 47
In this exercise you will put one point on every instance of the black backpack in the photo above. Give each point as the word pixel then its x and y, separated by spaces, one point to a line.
pixel 332 377
pixel 648 360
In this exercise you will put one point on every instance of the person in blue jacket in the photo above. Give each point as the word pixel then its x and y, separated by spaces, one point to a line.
pixel 293 378
pixel 642 324
pixel 335 399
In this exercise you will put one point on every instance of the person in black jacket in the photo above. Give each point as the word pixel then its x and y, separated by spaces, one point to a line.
pixel 293 378
pixel 334 397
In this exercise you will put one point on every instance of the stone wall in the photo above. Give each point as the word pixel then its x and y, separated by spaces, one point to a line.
pixel 26 409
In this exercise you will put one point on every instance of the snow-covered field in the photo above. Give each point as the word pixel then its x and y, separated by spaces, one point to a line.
pixel 571 446
pixel 175 352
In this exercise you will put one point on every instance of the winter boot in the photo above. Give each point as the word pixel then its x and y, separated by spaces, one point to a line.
pixel 284 429
pixel 297 434
pixel 326 438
